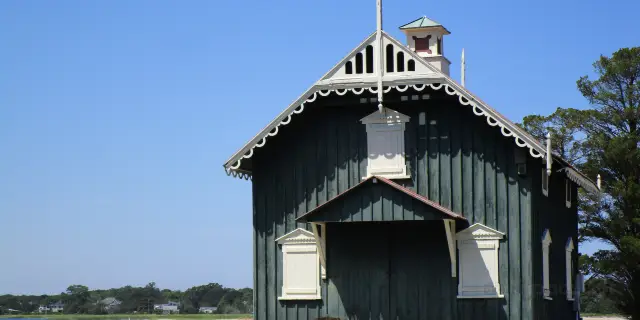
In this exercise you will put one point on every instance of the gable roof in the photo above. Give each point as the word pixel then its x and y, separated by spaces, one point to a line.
pixel 339 81
pixel 376 179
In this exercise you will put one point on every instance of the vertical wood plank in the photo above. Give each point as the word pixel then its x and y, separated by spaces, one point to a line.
pixel 479 173
pixel 332 156
pixel 376 205
pixel 433 123
pixel 467 169
pixel 525 247
pixel 411 150
pixel 514 236
pixel 490 180
pixel 456 161
pixel 421 158
pixel 342 140
pixel 503 223
pixel 260 268
pixel 354 158
pixel 444 165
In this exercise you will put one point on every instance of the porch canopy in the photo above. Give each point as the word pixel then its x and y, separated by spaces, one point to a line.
pixel 379 199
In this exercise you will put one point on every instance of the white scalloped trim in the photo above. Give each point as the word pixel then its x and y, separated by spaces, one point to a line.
pixel 237 174
pixel 401 88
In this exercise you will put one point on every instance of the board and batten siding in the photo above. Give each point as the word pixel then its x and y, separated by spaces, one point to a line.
pixel 455 159
pixel 550 212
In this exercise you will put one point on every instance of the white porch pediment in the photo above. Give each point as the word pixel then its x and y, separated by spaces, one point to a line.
pixel 480 232
pixel 297 236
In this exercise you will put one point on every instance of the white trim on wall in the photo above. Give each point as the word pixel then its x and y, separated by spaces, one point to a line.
pixel 300 266
pixel 385 144
pixel 569 268
pixel 478 275
pixel 546 242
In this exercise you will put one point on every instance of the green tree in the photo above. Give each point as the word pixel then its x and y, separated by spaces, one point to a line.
pixel 606 140
pixel 597 297
pixel 77 299
pixel 205 295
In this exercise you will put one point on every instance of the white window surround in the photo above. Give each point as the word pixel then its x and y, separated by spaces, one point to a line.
pixel 545 182
pixel 567 198
pixel 478 262
pixel 300 266
pixel 385 144
pixel 569 266
pixel 546 242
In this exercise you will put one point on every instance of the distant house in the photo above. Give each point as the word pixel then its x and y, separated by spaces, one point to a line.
pixel 52 308
pixel 208 309
pixel 169 307
pixel 111 304
pixel 57 307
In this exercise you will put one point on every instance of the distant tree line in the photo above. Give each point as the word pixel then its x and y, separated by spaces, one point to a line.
pixel 78 299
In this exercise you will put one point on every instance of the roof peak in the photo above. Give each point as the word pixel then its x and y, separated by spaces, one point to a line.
pixel 422 22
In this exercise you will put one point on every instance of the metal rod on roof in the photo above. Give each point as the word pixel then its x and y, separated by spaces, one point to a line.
pixel 380 53
pixel 463 68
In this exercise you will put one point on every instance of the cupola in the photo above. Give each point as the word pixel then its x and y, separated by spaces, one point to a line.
pixel 425 37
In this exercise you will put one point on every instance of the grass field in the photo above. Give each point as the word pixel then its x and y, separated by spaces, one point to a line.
pixel 127 316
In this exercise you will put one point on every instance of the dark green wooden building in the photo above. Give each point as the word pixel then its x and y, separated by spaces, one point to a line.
pixel 389 191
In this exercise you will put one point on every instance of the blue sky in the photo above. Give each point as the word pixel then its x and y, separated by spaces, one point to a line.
pixel 116 116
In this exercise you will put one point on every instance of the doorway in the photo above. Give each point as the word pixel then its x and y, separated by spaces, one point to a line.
pixel 390 270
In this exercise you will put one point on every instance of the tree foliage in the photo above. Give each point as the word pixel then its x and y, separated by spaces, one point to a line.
pixel 605 140
pixel 78 299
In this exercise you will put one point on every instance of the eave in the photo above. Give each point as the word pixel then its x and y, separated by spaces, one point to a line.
pixel 425 75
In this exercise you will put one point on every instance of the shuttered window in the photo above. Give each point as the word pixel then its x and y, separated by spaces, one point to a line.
pixel 300 266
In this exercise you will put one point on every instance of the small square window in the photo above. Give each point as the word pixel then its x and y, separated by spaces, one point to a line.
pixel 545 182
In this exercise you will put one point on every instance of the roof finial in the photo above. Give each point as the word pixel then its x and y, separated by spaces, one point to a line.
pixel 380 53
pixel 463 68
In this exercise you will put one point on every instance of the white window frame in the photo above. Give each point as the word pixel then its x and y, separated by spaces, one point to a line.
pixel 303 242
pixel 546 244
pixel 390 123
pixel 569 268
pixel 545 182
pixel 567 196
pixel 477 239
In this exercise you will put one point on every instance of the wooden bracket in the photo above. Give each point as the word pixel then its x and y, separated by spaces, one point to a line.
pixel 450 230
pixel 321 242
